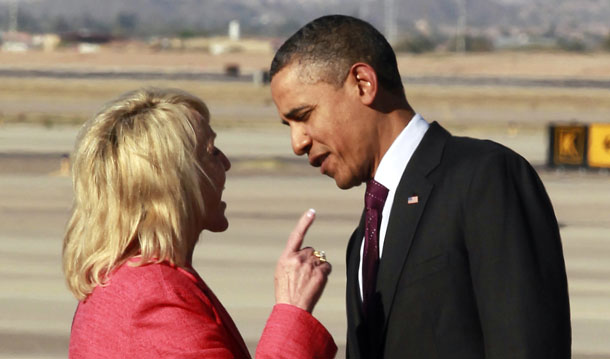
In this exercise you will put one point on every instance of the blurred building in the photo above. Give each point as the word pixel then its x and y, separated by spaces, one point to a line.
pixel 46 42
pixel 234 32
pixel 14 41
pixel 215 45
pixel 85 41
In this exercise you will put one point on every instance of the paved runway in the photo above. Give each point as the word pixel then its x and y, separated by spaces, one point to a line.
pixel 265 195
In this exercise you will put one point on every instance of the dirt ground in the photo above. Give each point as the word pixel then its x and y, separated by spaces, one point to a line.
pixel 511 64
pixel 50 101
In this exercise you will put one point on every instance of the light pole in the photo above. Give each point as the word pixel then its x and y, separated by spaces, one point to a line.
pixel 460 36
pixel 390 20
pixel 363 9
pixel 13 19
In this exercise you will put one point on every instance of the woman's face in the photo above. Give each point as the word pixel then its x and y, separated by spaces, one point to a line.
pixel 215 164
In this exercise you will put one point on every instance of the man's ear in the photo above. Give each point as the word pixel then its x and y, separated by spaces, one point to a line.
pixel 364 78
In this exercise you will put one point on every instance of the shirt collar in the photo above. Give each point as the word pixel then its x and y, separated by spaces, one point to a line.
pixel 395 160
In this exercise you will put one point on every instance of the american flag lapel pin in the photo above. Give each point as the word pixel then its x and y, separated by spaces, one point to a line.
pixel 414 199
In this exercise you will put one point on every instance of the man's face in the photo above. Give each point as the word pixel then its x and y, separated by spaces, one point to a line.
pixel 329 124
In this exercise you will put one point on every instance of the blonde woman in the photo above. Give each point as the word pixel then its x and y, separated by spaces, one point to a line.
pixel 147 181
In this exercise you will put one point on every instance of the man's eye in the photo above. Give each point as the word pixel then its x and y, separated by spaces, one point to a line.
pixel 304 116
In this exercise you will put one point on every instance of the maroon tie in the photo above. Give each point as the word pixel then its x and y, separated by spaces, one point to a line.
pixel 374 199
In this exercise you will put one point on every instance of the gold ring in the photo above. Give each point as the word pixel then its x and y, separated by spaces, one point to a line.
pixel 321 255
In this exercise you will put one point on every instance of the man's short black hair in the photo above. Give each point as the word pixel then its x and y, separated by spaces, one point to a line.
pixel 327 47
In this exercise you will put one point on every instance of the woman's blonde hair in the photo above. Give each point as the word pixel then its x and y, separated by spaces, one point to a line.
pixel 136 181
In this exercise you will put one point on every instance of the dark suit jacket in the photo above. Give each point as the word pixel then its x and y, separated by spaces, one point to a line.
pixel 473 270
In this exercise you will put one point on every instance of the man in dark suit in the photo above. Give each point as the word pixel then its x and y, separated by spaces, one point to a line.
pixel 458 253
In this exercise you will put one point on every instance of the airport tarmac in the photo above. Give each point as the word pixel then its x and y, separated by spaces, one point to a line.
pixel 266 191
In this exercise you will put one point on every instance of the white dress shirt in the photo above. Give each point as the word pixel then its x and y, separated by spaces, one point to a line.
pixel 390 170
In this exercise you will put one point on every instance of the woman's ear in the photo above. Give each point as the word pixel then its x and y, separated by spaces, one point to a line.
pixel 365 79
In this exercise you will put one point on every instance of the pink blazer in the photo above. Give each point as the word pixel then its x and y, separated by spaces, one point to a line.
pixel 161 311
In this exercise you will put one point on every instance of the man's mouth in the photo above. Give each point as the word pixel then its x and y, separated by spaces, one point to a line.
pixel 318 160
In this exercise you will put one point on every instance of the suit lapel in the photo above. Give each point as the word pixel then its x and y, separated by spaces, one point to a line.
pixel 353 301
pixel 406 214
pixel 399 236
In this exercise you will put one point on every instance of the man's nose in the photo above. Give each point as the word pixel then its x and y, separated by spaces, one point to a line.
pixel 301 141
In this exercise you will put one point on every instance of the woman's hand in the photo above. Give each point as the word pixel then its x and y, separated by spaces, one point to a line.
pixel 300 276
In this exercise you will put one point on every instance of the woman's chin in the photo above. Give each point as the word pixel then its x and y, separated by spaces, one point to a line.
pixel 216 220
pixel 221 226
pixel 218 224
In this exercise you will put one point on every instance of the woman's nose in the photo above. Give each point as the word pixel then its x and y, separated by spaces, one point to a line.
pixel 225 161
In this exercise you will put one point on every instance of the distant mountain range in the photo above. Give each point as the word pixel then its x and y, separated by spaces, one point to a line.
pixel 281 17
